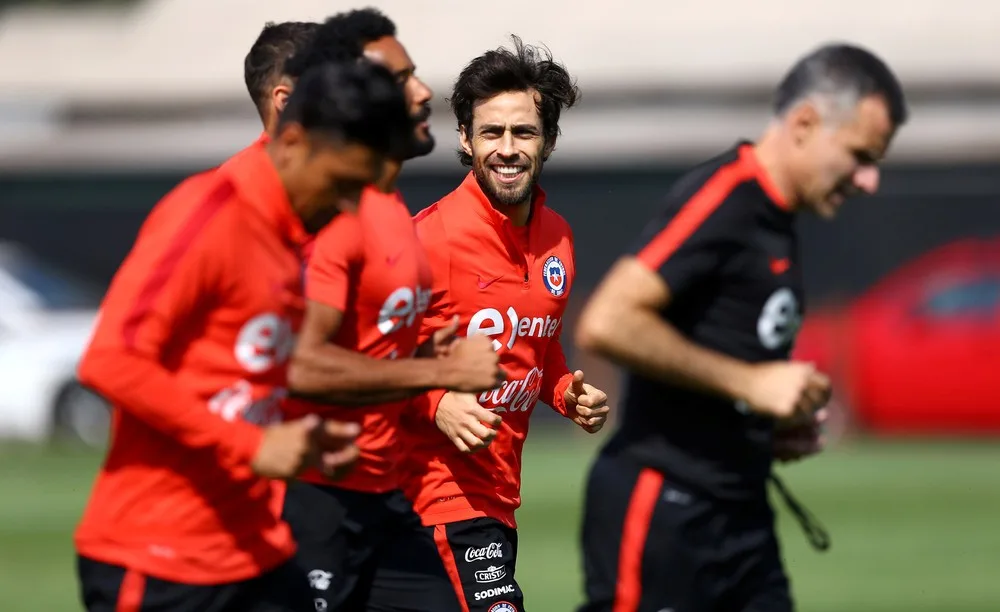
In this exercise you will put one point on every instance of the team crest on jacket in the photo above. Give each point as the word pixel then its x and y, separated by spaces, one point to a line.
pixel 503 606
pixel 554 276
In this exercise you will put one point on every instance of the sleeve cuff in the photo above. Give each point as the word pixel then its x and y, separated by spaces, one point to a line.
pixel 245 442
pixel 427 404
pixel 559 394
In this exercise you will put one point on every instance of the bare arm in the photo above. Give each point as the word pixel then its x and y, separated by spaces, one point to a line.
pixel 323 371
pixel 621 322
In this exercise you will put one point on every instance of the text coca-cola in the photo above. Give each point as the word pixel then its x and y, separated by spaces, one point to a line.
pixel 493 551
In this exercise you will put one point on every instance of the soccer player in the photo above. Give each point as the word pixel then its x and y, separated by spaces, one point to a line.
pixel 357 359
pixel 503 264
pixel 704 313
pixel 191 348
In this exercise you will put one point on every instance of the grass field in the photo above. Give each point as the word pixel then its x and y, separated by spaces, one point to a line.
pixel 914 526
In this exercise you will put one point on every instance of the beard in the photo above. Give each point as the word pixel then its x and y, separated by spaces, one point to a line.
pixel 422 142
pixel 506 194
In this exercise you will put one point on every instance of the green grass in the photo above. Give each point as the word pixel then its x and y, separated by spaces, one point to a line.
pixel 914 526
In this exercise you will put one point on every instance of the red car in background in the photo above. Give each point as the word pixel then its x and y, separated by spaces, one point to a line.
pixel 918 353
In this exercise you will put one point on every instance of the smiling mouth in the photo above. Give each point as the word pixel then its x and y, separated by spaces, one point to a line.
pixel 508 174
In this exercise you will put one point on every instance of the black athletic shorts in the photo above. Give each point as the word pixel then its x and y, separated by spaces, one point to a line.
pixel 109 588
pixel 480 556
pixel 366 551
pixel 652 546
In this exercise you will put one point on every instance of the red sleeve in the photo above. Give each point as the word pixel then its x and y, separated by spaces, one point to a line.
pixel 337 253
pixel 440 309
pixel 557 377
pixel 425 405
pixel 163 288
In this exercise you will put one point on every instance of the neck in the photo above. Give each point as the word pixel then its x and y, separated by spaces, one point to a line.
pixel 519 214
pixel 390 174
pixel 772 153
pixel 271 122
pixel 288 183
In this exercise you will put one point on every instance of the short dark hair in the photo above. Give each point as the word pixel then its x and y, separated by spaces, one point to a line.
pixel 265 63
pixel 501 70
pixel 358 102
pixel 842 70
pixel 341 38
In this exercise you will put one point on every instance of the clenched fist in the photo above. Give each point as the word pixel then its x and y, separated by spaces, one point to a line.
pixel 289 448
pixel 788 390
pixel 471 366
pixel 587 404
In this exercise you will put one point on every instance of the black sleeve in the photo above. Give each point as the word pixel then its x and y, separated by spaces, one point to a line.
pixel 692 238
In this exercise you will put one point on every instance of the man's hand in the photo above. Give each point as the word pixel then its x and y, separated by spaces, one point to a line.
pixel 471 366
pixel 441 341
pixel 793 443
pixel 289 448
pixel 334 440
pixel 788 390
pixel 468 425
pixel 587 403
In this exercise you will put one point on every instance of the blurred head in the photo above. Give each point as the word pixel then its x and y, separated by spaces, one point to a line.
pixel 367 33
pixel 508 103
pixel 264 65
pixel 840 107
pixel 341 123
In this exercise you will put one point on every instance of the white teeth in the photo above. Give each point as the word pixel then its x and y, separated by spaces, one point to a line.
pixel 509 170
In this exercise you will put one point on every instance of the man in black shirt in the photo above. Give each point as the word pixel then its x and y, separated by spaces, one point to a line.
pixel 703 314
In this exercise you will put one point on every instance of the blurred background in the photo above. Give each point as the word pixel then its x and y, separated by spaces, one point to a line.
pixel 105 105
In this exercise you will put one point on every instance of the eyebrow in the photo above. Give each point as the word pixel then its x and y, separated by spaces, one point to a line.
pixel 516 126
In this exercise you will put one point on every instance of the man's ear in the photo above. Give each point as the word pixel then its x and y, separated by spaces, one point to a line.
pixel 279 95
pixel 465 140
pixel 803 120
pixel 548 148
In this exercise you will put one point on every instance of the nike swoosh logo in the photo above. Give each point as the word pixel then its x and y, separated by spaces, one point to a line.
pixel 483 285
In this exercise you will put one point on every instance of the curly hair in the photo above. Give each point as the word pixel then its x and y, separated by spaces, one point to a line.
pixel 341 38
pixel 525 68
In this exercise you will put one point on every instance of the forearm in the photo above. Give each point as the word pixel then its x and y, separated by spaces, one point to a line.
pixel 643 342
pixel 333 374
pixel 143 388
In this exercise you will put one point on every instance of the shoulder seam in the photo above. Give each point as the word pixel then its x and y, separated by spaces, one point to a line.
pixel 693 212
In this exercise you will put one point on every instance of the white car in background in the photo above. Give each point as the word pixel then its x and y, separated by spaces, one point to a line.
pixel 46 318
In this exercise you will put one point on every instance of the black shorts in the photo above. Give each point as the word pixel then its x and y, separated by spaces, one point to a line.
pixel 109 588
pixel 366 551
pixel 649 545
pixel 480 556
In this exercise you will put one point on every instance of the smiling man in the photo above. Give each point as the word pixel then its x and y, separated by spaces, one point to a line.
pixel 503 266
